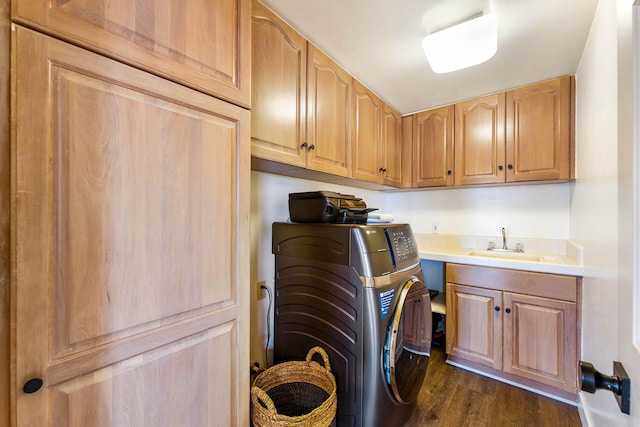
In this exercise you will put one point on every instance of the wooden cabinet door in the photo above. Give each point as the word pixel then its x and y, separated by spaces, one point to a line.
pixel 480 140
pixel 328 100
pixel 433 147
pixel 540 340
pixel 365 133
pixel 278 96
pixel 130 253
pixel 474 324
pixel 201 44
pixel 539 131
pixel 391 147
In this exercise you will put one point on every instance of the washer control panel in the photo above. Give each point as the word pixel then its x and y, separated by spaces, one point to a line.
pixel 403 244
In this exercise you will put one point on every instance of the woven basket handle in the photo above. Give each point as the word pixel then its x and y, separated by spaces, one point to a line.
pixel 321 352
pixel 258 394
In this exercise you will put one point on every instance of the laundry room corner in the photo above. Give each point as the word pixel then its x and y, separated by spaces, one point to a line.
pixel 269 203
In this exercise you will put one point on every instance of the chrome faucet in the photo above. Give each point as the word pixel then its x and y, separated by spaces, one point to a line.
pixel 504 240
pixel 492 245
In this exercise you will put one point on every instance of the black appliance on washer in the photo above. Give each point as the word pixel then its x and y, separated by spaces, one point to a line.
pixel 356 290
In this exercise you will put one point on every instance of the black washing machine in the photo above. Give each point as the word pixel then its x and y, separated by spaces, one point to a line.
pixel 358 292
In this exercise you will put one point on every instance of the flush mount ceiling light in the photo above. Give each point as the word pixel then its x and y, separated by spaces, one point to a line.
pixel 469 43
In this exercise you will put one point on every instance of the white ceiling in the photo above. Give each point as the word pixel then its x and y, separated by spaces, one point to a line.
pixel 380 43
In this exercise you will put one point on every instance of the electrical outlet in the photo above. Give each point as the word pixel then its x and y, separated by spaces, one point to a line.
pixel 261 292
pixel 434 228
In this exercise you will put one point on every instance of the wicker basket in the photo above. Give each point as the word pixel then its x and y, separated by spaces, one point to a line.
pixel 295 394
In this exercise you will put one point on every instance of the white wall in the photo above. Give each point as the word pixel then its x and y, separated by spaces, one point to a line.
pixel 528 211
pixel 594 205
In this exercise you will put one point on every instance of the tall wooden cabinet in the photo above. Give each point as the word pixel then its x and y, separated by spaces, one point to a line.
pixel 516 324
pixel 300 98
pixel 130 219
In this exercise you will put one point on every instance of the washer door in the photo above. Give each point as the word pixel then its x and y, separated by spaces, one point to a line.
pixel 408 342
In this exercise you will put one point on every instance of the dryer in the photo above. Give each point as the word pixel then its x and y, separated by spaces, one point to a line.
pixel 357 291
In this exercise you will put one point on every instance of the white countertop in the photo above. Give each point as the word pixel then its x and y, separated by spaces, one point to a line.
pixel 541 255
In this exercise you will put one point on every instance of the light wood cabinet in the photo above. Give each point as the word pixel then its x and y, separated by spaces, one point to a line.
pixel 480 140
pixel 203 45
pixel 130 230
pixel 521 135
pixel 375 138
pixel 520 323
pixel 328 100
pixel 433 147
pixel 367 111
pixel 300 99
pixel 391 147
pixel 278 97
pixel 539 131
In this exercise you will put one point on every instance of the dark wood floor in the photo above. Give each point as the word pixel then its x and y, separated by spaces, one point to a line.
pixel 452 396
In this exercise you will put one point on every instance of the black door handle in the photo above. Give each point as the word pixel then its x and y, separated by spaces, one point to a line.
pixel 619 383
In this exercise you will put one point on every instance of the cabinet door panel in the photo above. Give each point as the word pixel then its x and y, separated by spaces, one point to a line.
pixel 202 44
pixel 539 131
pixel 365 131
pixel 391 147
pixel 278 96
pixel 474 326
pixel 480 140
pixel 540 340
pixel 433 147
pixel 131 208
pixel 328 100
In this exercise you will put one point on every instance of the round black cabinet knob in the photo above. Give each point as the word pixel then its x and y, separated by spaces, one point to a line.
pixel 497 309
pixel 500 167
pixel 509 167
pixel 33 385
pixel 508 310
pixel 312 147
pixel 449 172
pixel 304 145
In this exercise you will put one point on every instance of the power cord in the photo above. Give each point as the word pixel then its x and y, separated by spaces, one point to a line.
pixel 266 347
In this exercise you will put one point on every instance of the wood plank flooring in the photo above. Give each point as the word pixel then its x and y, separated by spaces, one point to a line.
pixel 451 396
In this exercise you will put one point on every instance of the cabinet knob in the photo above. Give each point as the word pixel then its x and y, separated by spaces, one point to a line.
pixel 500 167
pixel 449 172
pixel 497 309
pixel 33 385
pixel 508 310
pixel 509 167
pixel 304 145
pixel 312 147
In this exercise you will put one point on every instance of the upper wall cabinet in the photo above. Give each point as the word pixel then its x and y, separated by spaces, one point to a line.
pixel 376 131
pixel 479 140
pixel 521 135
pixel 391 146
pixel 278 97
pixel 433 147
pixel 365 133
pixel 203 45
pixel 539 131
pixel 328 100
pixel 300 99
